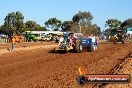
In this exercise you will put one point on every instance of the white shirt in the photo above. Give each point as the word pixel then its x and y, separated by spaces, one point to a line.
pixel 94 39
pixel 61 39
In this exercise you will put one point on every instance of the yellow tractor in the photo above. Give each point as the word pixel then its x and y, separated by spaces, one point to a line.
pixel 116 36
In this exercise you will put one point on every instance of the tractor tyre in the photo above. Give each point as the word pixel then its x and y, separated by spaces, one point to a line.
pixel 55 50
pixel 123 41
pixel 90 48
pixel 114 42
pixel 65 49
pixel 78 47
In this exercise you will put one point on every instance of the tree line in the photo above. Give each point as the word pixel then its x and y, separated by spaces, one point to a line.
pixel 117 24
pixel 14 24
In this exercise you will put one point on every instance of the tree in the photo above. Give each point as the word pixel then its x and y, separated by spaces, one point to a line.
pixel 53 24
pixel 84 18
pixel 127 23
pixel 113 23
pixel 33 26
pixel 91 29
pixel 30 25
pixel 14 23
pixel 4 30
pixel 40 28
pixel 97 28
pixel 66 25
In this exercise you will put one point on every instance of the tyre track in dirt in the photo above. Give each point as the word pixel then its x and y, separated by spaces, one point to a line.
pixel 48 69
pixel 19 53
pixel 125 68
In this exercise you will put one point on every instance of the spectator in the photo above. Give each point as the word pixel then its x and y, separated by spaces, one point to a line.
pixel 13 42
pixel 0 39
pixel 61 39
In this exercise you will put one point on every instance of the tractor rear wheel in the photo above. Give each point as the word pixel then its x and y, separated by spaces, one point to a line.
pixel 90 48
pixel 78 47
pixel 55 50
pixel 114 42
pixel 122 41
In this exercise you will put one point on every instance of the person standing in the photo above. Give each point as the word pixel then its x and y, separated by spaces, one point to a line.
pixel 94 41
pixel 13 42
pixel 61 39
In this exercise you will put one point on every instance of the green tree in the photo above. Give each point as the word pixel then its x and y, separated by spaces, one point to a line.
pixel 30 25
pixel 33 26
pixel 14 23
pixel 4 30
pixel 66 25
pixel 84 18
pixel 97 28
pixel 40 28
pixel 53 24
pixel 91 29
pixel 113 23
pixel 127 23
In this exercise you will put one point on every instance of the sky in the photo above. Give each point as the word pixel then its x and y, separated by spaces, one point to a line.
pixel 42 10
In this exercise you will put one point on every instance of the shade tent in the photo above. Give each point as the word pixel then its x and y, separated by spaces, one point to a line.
pixel 129 31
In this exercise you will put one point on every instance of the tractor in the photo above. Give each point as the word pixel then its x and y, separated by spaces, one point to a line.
pixel 117 36
pixel 79 43
pixel 18 39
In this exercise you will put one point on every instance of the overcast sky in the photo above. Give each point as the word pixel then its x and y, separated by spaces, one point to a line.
pixel 42 10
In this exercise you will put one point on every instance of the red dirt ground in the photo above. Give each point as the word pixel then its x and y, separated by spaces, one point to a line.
pixel 25 44
pixel 38 68
pixel 126 68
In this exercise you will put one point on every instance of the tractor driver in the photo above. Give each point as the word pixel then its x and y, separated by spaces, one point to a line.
pixel 71 40
pixel 119 35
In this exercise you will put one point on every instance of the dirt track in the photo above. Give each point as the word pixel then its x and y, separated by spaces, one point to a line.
pixel 126 68
pixel 38 68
